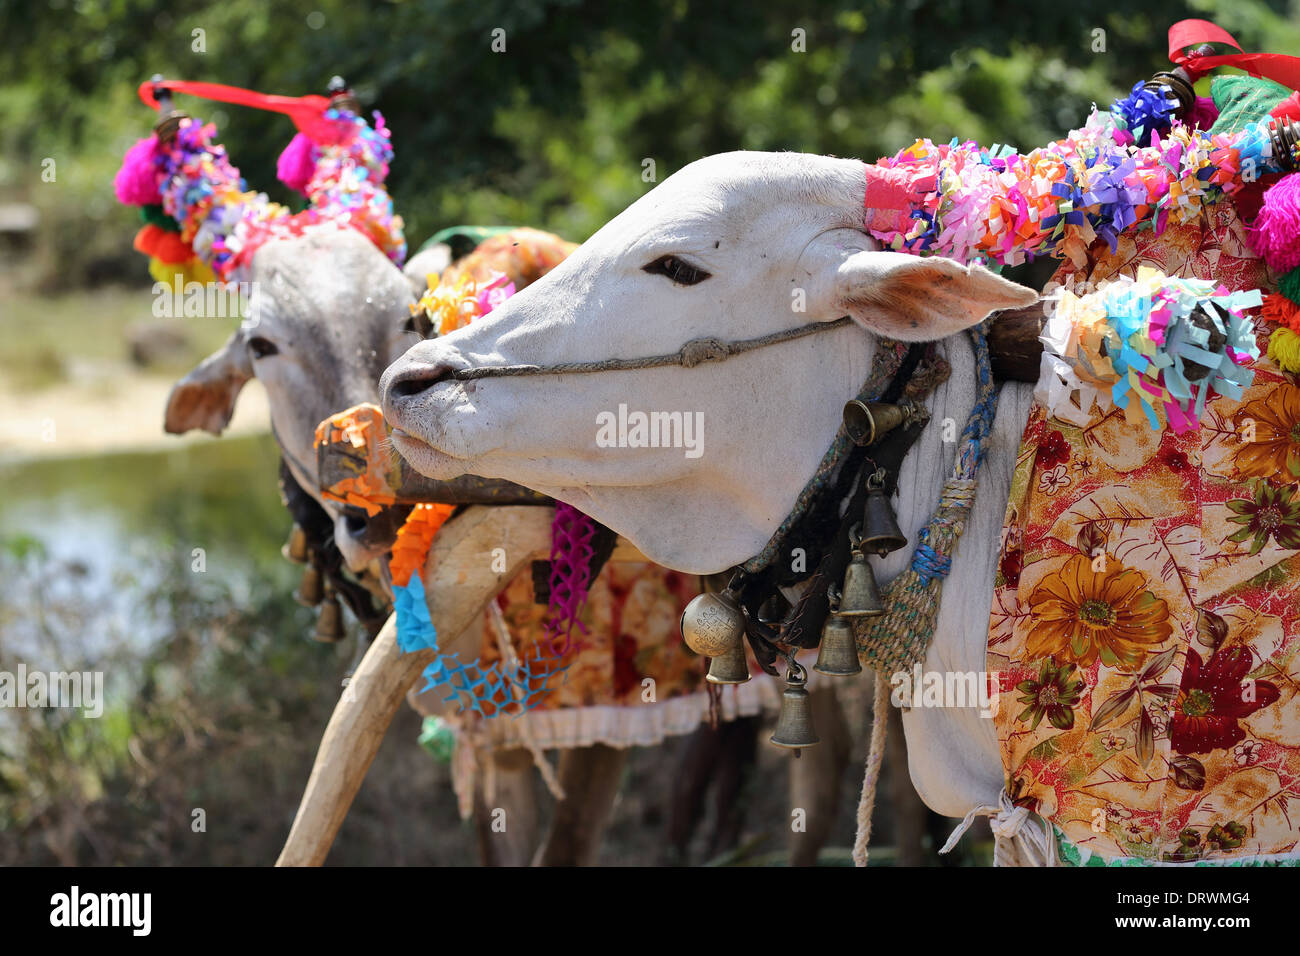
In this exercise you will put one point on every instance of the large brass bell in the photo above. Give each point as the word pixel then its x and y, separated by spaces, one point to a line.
pixel 329 626
pixel 861 596
pixel 794 724
pixel 837 655
pixel 712 624
pixel 882 534
pixel 311 589
pixel 729 667
pixel 867 422
pixel 295 549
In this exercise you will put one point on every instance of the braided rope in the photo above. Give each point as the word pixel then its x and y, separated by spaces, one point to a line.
pixel 871 777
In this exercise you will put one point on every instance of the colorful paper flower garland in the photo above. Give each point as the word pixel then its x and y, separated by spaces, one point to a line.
pixel 1154 346
pixel 1000 206
pixel 202 222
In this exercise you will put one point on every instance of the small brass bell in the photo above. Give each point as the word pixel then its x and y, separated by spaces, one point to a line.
pixel 883 534
pixel 713 623
pixel 730 667
pixel 868 422
pixel 838 654
pixel 295 549
pixel 329 626
pixel 794 724
pixel 861 596
pixel 311 590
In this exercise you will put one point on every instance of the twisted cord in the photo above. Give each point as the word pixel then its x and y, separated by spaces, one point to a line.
pixel 871 777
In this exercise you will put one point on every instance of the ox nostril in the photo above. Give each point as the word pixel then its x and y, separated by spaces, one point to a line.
pixel 415 381
pixel 355 525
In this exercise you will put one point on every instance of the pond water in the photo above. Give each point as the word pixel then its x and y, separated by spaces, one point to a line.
pixel 107 532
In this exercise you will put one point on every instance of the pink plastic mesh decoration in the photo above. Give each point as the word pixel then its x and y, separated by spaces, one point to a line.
pixel 572 533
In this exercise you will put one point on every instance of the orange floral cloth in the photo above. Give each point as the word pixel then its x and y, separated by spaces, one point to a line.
pixel 1146 613
pixel 630 616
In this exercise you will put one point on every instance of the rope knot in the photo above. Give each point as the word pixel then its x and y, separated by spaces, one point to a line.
pixel 697 351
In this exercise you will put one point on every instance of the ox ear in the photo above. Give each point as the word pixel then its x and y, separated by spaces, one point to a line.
pixel 915 299
pixel 205 398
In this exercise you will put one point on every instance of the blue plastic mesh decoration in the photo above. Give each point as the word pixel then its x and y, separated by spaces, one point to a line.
pixel 486 690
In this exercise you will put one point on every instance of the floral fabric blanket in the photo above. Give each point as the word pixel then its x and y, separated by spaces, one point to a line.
pixel 1146 614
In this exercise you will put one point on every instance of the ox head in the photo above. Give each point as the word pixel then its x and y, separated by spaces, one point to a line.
pixel 731 247
pixel 327 314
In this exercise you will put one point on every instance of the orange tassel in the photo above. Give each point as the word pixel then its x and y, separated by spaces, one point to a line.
pixel 1280 310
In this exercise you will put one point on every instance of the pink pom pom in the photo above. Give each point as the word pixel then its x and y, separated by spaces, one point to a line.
pixel 297 163
pixel 136 183
pixel 1275 234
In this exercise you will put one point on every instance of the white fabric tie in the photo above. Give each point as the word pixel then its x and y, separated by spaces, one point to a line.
pixel 1007 821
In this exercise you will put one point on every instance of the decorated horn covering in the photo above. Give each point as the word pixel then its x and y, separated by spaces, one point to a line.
pixel 202 222
pixel 1149 161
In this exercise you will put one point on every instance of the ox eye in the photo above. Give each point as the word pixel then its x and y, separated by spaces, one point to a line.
pixel 261 347
pixel 677 269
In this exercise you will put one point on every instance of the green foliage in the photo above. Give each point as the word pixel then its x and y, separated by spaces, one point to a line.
pixel 553 131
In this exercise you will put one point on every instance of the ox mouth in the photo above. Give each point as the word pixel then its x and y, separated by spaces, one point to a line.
pixel 428 460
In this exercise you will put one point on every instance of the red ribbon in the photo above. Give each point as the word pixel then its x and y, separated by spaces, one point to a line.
pixel 1191 33
pixel 307 112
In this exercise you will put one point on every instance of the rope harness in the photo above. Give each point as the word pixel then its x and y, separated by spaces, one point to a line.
pixel 693 353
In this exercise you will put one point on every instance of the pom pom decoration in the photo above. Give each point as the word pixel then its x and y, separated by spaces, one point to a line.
pixel 1280 310
pixel 1275 233
pixel 297 163
pixel 225 225
pixel 136 182
pixel 1284 349
pixel 1153 346
pixel 164 245
pixel 1288 284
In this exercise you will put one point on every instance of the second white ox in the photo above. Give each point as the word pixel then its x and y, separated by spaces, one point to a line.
pixel 733 247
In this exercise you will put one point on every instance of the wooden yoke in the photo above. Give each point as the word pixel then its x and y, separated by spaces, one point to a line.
pixel 458 583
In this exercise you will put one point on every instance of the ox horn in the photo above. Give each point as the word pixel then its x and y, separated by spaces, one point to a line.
pixel 458 583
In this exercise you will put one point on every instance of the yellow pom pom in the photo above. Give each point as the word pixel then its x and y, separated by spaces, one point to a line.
pixel 1284 349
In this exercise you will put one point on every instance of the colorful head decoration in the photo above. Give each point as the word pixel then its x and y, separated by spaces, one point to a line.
pixel 202 222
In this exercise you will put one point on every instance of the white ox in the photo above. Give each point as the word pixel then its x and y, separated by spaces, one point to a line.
pixel 729 248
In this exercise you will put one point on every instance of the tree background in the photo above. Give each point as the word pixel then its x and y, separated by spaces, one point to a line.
pixel 553 131
pixel 223 706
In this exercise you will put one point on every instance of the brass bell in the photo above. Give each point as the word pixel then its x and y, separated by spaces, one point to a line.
pixel 883 534
pixel 712 624
pixel 837 656
pixel 861 596
pixel 311 590
pixel 794 724
pixel 868 422
pixel 329 626
pixel 295 549
pixel 729 667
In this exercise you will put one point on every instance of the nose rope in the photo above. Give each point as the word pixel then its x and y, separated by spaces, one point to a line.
pixel 693 353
